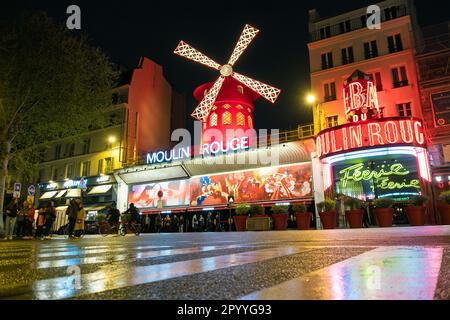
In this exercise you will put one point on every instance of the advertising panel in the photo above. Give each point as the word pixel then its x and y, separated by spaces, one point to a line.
pixel 171 193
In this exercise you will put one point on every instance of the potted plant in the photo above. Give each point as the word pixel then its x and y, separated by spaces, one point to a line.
pixel 416 211
pixel 444 207
pixel 327 213
pixel 240 219
pixel 280 216
pixel 257 210
pixel 384 211
pixel 302 217
pixel 354 214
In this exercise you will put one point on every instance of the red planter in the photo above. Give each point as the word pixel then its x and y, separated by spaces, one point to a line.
pixel 355 218
pixel 303 220
pixel 444 210
pixel 280 220
pixel 384 217
pixel 240 222
pixel 328 219
pixel 416 215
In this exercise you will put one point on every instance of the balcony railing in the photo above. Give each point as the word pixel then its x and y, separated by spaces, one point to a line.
pixel 355 23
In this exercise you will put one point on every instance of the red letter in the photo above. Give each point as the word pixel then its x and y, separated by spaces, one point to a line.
pixel 373 133
pixel 391 132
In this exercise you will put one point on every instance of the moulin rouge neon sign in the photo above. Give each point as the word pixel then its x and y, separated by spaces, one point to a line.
pixel 388 131
pixel 360 98
pixel 382 177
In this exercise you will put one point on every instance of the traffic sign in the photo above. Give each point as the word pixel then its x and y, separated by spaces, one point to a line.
pixel 31 190
pixel 17 188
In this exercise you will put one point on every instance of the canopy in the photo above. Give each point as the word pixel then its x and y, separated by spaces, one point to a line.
pixel 48 195
pixel 100 189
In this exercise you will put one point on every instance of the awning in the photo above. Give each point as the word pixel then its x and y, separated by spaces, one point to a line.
pixel 48 195
pixel 61 193
pixel 73 193
pixel 61 208
pixel 100 189
pixel 97 207
pixel 164 211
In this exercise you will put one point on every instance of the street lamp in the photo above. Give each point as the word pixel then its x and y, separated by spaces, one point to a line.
pixel 230 202
pixel 312 100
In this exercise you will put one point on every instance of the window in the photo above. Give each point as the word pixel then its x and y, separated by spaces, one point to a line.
pixel 377 80
pixel 370 49
pixel 325 32
pixel 86 145
pixel 250 121
pixel 100 167
pixel 54 174
pixel 347 55
pixel 85 168
pixel 391 13
pixel 239 107
pixel 240 89
pixel 395 43
pixel 332 121
pixel 226 117
pixel 213 120
pixel 69 171
pixel 226 106
pixel 345 26
pixel 240 119
pixel 381 112
pixel 399 77
pixel 364 19
pixel 108 165
pixel 330 91
pixel 70 150
pixel 404 109
pixel 327 60
pixel 57 151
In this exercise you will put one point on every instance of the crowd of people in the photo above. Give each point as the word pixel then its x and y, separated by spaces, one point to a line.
pixel 179 223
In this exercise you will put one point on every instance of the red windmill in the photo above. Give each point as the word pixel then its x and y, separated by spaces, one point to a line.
pixel 227 103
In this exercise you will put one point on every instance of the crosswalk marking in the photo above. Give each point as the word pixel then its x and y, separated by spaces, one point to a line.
pixel 62 287
pixel 399 273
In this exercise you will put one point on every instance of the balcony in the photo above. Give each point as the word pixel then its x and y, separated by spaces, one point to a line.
pixel 356 23
pixel 400 84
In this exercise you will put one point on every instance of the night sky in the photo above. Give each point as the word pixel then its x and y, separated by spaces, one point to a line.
pixel 126 30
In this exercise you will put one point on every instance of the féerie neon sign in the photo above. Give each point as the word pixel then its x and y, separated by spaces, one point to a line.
pixel 382 177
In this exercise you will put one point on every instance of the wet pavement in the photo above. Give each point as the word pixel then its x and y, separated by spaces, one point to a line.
pixel 390 263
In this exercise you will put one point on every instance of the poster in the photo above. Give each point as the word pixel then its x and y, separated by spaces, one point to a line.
pixel 263 184
pixel 174 193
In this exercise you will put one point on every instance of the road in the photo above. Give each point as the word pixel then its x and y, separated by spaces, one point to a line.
pixel 390 263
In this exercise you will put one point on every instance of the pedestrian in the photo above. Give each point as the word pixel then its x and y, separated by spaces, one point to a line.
pixel 50 217
pixel 195 222
pixel 40 222
pixel 201 223
pixel 158 223
pixel 22 217
pixel 209 222
pixel 175 223
pixel 71 213
pixel 81 216
pixel 181 225
pixel 30 220
pixel 167 223
pixel 11 216
pixel 217 223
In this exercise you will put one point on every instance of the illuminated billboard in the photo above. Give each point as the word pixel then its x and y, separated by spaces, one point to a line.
pixel 263 184
pixel 171 193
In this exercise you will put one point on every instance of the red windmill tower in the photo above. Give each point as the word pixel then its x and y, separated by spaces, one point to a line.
pixel 227 103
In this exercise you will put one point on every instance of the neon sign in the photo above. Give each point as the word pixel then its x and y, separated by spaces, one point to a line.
pixel 382 132
pixel 169 156
pixel 382 177
pixel 360 98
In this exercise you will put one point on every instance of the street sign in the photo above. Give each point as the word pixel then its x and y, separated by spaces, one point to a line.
pixel 17 188
pixel 31 190
pixel 30 200
pixel 82 184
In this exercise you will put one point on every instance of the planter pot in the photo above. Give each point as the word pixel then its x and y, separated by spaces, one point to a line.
pixel 355 218
pixel 240 222
pixel 280 220
pixel 303 220
pixel 384 217
pixel 444 210
pixel 328 219
pixel 416 215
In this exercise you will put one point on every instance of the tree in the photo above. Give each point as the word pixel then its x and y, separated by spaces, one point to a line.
pixel 52 85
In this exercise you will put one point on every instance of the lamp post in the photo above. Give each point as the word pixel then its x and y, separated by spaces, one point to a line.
pixel 230 202
pixel 312 100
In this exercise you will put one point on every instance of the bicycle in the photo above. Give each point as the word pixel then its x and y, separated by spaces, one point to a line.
pixel 134 227
pixel 105 228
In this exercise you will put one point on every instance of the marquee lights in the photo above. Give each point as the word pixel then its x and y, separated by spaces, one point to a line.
pixel 389 131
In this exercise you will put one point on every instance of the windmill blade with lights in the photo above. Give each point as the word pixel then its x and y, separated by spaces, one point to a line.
pixel 206 104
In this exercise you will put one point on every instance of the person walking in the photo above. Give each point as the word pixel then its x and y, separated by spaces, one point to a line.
pixel 11 216
pixel 175 223
pixel 158 223
pixel 201 223
pixel 30 221
pixel 195 222
pixel 217 223
pixel 50 217
pixel 21 221
pixel 71 213
pixel 40 222
pixel 209 222
pixel 79 223
pixel 181 225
